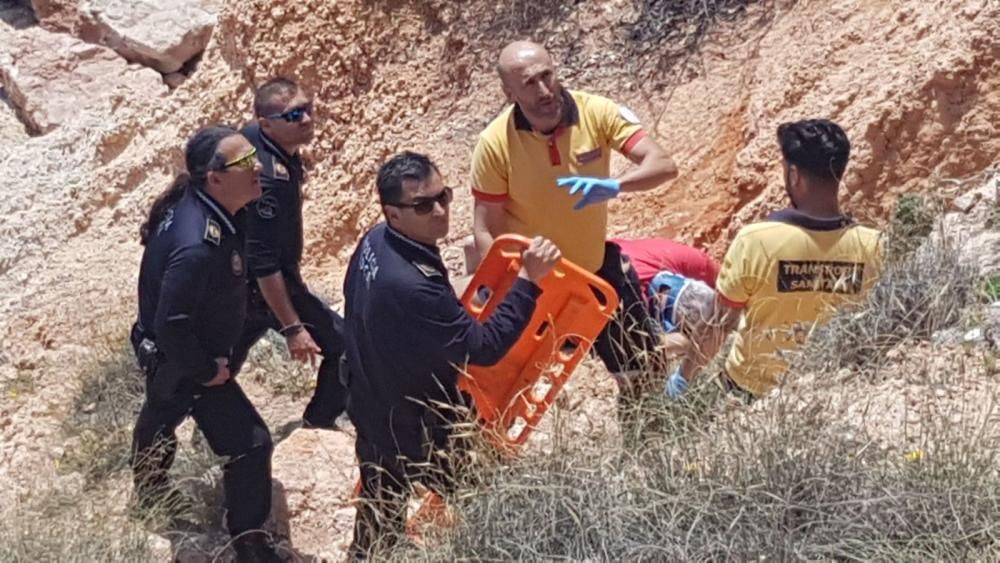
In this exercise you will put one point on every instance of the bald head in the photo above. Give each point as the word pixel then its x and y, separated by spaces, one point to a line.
pixel 529 80
pixel 519 54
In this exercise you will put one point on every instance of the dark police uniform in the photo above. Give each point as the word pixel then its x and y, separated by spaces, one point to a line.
pixel 406 333
pixel 192 304
pixel 274 244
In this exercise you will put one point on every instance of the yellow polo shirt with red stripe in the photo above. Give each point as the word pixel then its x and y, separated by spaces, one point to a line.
pixel 789 273
pixel 517 166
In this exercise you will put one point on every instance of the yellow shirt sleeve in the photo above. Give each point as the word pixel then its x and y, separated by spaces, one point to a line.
pixel 742 271
pixel 489 173
pixel 619 125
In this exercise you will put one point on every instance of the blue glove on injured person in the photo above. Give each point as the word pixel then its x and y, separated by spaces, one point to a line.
pixel 676 385
pixel 594 190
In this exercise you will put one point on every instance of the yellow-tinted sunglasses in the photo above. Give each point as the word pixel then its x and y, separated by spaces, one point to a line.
pixel 246 162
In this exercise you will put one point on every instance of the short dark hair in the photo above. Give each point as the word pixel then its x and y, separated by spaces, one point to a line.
pixel 818 147
pixel 406 165
pixel 263 99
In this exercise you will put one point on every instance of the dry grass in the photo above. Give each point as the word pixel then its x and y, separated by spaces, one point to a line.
pixel 926 286
pixel 915 299
pixel 101 415
pixel 663 35
pixel 657 40
pixel 67 528
pixel 786 485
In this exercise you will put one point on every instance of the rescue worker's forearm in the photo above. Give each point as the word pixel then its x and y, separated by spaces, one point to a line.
pixel 275 293
pixel 651 173
pixel 485 344
pixel 483 240
pixel 487 224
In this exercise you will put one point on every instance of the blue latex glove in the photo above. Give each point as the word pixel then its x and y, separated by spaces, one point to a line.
pixel 676 385
pixel 594 190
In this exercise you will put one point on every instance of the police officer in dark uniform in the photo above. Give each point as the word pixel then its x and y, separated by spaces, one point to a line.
pixel 192 304
pixel 279 299
pixel 407 332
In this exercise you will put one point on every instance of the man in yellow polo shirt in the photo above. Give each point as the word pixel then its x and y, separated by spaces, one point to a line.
pixel 789 272
pixel 542 168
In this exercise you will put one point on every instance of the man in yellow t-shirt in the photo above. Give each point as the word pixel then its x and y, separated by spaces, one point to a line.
pixel 542 168
pixel 789 272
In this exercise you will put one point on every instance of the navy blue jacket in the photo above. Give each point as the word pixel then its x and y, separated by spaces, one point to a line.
pixel 406 332
pixel 274 220
pixel 192 289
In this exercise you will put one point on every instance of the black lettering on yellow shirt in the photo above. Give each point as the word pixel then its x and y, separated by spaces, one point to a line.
pixel 820 276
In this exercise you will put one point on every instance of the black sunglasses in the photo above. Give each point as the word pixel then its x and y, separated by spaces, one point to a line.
pixel 424 205
pixel 293 115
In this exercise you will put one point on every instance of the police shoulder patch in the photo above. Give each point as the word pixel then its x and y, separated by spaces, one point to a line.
pixel 427 270
pixel 280 170
pixel 628 115
pixel 267 206
pixel 213 232
pixel 168 220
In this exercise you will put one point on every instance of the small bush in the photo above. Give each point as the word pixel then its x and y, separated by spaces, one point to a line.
pixel 664 38
pixel 989 289
pixel 916 296
pixel 912 223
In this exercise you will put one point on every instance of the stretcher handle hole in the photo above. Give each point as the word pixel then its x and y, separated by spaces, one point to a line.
pixel 510 248
pixel 482 297
pixel 540 389
pixel 517 427
pixel 542 328
pixel 569 346
pixel 599 294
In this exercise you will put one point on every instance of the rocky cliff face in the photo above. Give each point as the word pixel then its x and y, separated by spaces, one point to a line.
pixel 92 132
pixel 913 85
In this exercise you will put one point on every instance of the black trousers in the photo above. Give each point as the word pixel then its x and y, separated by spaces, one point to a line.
pixel 326 328
pixel 386 485
pixel 628 341
pixel 232 427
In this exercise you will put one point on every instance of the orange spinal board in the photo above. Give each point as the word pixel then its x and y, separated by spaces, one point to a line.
pixel 512 396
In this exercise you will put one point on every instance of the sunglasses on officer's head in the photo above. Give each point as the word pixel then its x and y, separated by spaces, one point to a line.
pixel 424 205
pixel 293 115
pixel 246 162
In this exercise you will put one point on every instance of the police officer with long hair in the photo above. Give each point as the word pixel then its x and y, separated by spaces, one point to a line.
pixel 192 306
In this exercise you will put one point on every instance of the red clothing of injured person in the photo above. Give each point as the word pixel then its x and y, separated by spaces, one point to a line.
pixel 651 256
